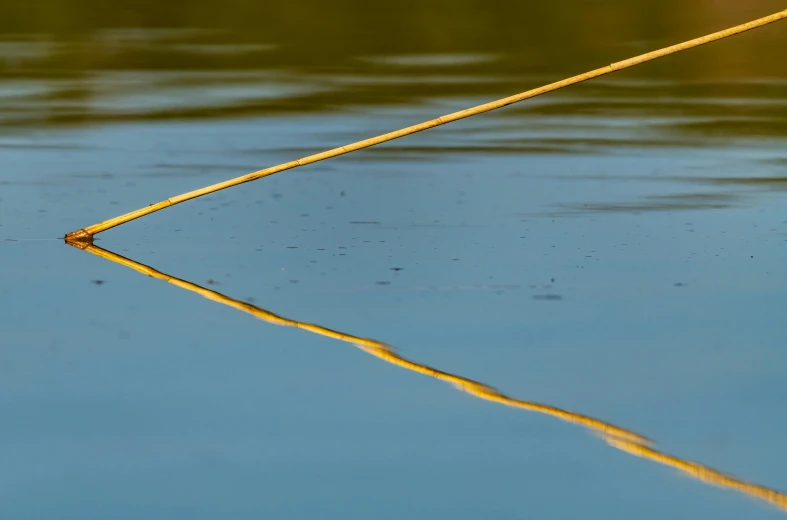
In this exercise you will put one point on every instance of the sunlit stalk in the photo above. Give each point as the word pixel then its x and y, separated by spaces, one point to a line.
pixel 86 234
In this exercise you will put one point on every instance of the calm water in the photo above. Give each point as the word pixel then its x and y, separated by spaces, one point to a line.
pixel 616 250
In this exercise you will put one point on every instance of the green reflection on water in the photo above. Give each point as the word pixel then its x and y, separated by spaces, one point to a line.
pixel 84 61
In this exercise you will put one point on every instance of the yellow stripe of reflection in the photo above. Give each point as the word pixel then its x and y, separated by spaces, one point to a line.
pixel 620 438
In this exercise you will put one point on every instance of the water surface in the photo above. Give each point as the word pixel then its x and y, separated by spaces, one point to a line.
pixel 615 250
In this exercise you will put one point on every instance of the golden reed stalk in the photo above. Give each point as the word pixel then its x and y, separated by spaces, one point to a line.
pixel 620 438
pixel 86 234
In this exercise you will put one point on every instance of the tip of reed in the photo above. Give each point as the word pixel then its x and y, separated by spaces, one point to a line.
pixel 80 239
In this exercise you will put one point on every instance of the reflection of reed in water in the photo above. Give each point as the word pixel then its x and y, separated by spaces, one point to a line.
pixel 703 473
pixel 620 438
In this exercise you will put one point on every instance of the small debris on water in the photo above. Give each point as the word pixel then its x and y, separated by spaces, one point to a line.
pixel 547 297
pixel 98 282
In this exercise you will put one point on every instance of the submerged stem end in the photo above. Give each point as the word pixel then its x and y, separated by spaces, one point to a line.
pixel 80 239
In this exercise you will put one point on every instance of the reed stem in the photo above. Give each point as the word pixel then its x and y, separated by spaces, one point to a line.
pixel 86 234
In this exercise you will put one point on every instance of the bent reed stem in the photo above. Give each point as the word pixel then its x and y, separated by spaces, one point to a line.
pixel 86 234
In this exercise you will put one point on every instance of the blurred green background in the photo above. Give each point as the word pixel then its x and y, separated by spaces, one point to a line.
pixel 71 61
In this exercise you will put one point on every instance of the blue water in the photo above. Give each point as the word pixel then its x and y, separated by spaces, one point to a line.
pixel 611 264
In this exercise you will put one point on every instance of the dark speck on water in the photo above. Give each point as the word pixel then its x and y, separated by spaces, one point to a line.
pixel 548 297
